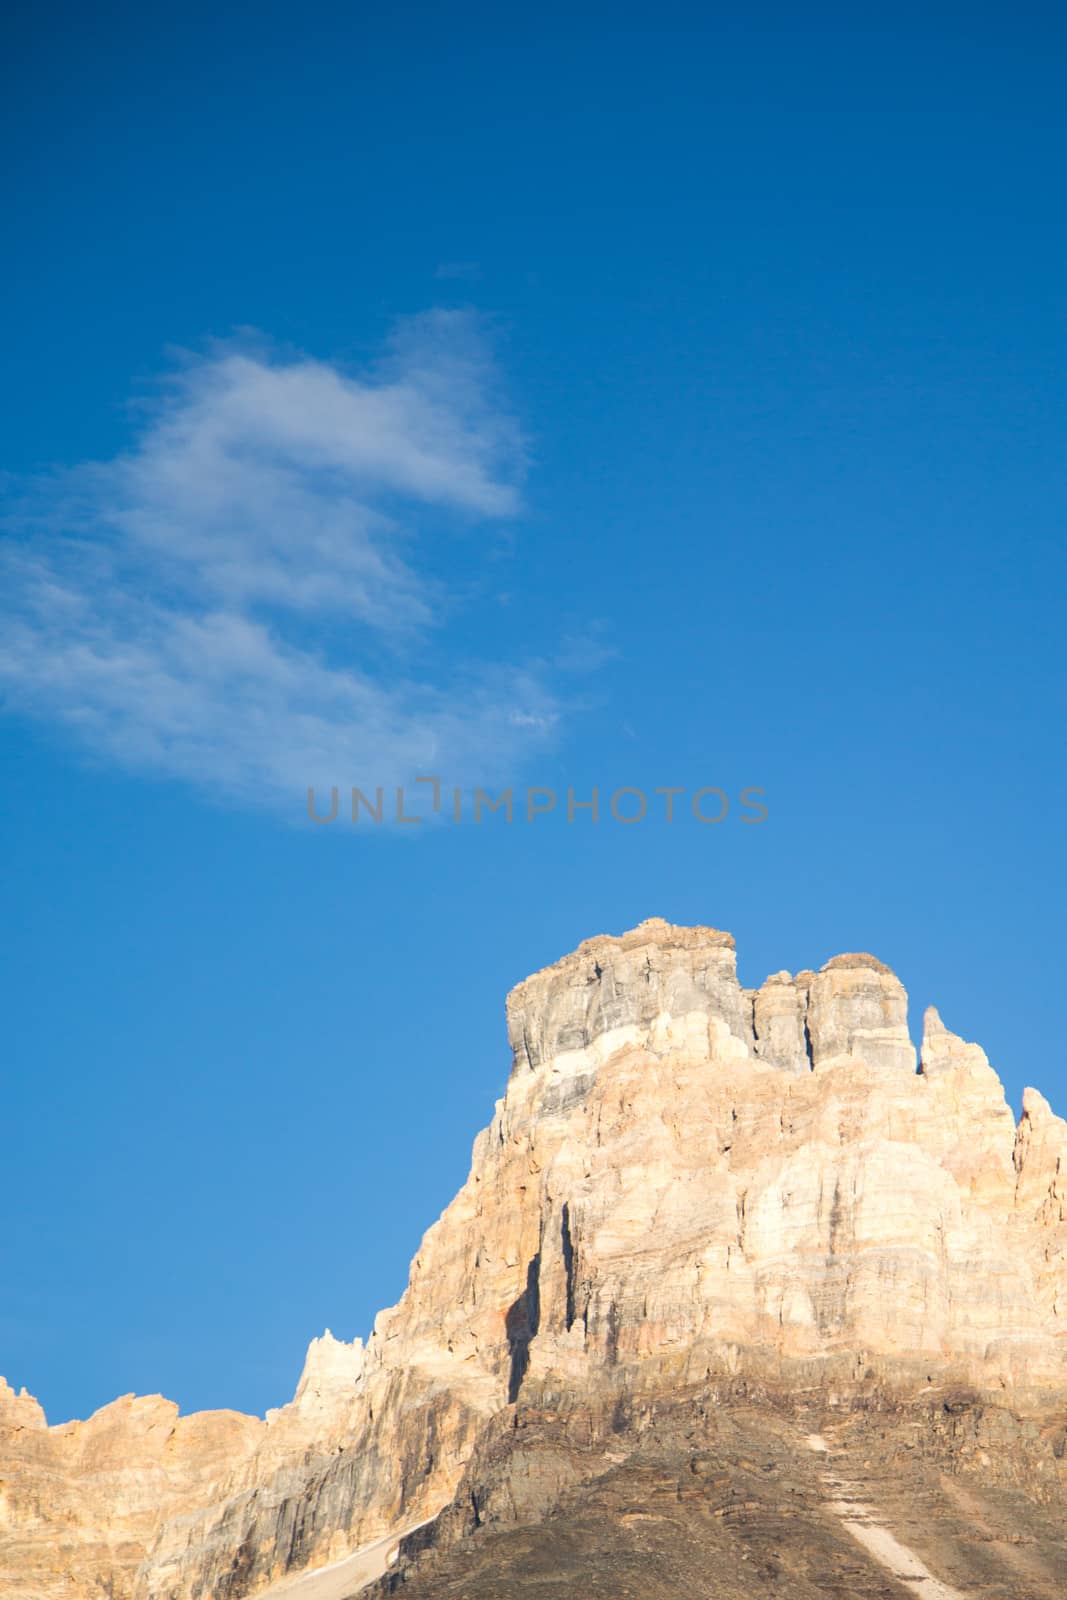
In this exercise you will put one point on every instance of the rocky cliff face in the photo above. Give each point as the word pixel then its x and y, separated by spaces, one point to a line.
pixel 687 1184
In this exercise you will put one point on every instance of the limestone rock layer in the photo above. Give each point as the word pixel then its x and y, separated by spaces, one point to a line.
pixel 685 1181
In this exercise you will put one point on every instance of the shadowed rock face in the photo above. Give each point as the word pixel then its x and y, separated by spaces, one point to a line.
pixel 687 1184
pixel 660 986
pixel 742 1489
pixel 619 991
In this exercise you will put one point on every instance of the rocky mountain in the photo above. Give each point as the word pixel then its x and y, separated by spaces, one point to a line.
pixel 739 1298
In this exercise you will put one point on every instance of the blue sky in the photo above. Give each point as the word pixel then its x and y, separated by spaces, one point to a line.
pixel 565 398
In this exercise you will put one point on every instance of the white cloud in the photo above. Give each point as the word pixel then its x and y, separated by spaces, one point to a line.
pixel 172 607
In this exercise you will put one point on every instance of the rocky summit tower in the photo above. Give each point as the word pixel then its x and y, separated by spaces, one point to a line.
pixel 739 1298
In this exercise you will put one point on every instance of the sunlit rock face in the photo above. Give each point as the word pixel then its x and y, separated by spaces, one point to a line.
pixel 684 1179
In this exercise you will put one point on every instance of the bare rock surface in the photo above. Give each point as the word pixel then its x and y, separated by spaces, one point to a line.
pixel 688 1186
pixel 728 1491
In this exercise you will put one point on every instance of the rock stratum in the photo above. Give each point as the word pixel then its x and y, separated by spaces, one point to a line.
pixel 739 1297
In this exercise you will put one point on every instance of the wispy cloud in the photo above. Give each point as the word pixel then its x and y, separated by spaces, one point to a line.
pixel 240 600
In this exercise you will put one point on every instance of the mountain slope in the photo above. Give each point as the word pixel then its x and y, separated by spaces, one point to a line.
pixel 727 1492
